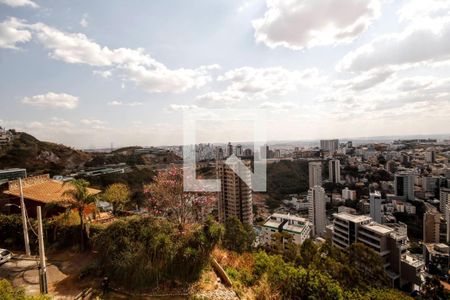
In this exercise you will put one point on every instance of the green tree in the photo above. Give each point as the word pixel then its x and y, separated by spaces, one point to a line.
pixel 367 265
pixel 118 194
pixel 434 290
pixel 142 252
pixel 308 251
pixel 80 198
pixel 310 284
pixel 238 237
pixel 283 244
pixel 8 292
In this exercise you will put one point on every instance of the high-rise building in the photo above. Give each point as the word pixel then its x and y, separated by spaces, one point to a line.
pixel 219 154
pixel 375 207
pixel 315 174
pixel 444 199
pixel 391 166
pixel 430 183
pixel 229 149
pixel 248 152
pixel 430 156
pixel 235 197
pixel 239 150
pixel 404 185
pixel 348 194
pixel 264 152
pixel 317 210
pixel 431 226
pixel 329 145
pixel 334 170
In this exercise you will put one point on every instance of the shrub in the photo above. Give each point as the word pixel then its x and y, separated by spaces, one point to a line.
pixel 144 252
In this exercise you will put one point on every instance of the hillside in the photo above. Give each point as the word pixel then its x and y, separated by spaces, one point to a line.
pixel 25 151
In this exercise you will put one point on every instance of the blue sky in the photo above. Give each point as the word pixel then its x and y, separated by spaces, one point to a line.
pixel 88 73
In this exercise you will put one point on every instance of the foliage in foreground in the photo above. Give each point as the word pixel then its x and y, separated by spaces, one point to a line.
pixel 8 292
pixel 145 252
pixel 315 273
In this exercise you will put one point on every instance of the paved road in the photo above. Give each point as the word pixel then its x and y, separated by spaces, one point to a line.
pixel 23 272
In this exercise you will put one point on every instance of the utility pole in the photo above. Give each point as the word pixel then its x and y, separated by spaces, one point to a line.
pixel 42 266
pixel 24 220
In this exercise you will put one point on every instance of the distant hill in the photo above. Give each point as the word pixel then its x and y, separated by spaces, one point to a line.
pixel 25 151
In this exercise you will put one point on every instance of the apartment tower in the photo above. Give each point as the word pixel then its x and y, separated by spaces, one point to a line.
pixel 235 197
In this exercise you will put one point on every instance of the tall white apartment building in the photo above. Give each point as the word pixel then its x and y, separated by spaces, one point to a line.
pixel 334 170
pixel 317 211
pixel 375 206
pixel 315 174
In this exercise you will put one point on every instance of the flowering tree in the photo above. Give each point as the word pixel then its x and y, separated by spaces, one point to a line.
pixel 167 198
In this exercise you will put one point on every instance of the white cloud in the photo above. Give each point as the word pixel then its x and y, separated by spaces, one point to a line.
pixel 424 43
pixel 220 99
pixel 60 123
pixel 365 80
pixel 52 100
pixel 84 23
pixel 299 24
pixel 120 103
pixel 278 105
pixel 181 107
pixel 94 123
pixel 134 64
pixel 12 32
pixel 417 10
pixel 258 84
pixel 104 74
pixel 17 3
pixel 269 81
pixel 35 125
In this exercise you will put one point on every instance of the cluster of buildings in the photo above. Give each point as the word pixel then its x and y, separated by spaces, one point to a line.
pixel 385 181
pixel 6 136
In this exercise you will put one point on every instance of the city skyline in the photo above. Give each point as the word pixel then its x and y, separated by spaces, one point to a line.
pixel 88 74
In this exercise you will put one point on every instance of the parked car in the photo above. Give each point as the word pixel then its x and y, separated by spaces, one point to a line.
pixel 5 255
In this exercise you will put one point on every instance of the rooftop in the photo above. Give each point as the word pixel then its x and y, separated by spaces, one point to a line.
pixel 43 189
pixel 288 217
pixel 352 218
pixel 378 228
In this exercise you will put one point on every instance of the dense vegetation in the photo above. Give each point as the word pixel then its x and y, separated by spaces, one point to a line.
pixel 287 177
pixel 8 292
pixel 145 252
pixel 314 272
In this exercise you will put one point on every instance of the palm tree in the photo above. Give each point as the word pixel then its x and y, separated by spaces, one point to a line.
pixel 80 197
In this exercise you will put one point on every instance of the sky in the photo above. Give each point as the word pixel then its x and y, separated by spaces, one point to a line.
pixel 91 73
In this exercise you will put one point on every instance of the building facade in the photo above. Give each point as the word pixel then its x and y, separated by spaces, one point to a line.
pixel 404 185
pixel 299 228
pixel 329 145
pixel 235 197
pixel 317 210
pixel 315 174
pixel 334 170
pixel 375 206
